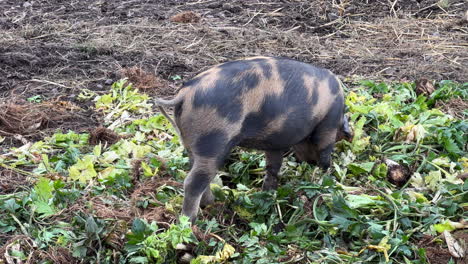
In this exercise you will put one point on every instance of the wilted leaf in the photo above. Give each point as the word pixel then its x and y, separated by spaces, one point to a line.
pixel 109 157
pixel 219 257
pixel 358 201
pixel 418 197
pixel 360 142
pixel 446 226
pixel 455 249
pixel 433 180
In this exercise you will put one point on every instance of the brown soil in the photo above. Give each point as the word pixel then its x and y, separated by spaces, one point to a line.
pixel 57 48
pixel 438 253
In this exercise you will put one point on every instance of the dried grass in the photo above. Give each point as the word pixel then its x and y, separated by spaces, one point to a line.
pixel 27 118
pixel 108 207
pixel 26 244
pixel 148 187
pixel 11 181
pixel 454 107
pixel 21 243
pixel 58 255
pixel 111 207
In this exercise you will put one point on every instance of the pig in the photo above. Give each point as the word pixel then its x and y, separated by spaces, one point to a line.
pixel 265 103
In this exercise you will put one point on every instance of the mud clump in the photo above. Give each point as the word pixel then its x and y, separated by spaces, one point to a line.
pixel 397 174
pixel 424 86
pixel 186 17
pixel 103 135
pixel 143 80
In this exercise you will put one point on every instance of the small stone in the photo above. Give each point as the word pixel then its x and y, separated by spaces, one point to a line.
pixel 186 258
pixel 108 82
pixel 332 16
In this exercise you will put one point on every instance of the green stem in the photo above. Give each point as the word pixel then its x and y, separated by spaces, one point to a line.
pixel 23 229
pixel 17 170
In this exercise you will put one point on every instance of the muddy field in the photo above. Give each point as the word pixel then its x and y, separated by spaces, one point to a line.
pixel 51 50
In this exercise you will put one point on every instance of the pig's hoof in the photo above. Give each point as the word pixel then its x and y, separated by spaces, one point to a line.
pixel 269 184
pixel 207 199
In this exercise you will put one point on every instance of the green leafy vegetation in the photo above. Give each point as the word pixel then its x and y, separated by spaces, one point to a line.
pixel 119 203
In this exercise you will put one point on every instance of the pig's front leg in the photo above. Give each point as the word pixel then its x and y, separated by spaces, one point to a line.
pixel 273 165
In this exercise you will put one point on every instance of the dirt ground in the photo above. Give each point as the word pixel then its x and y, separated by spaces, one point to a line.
pixel 55 48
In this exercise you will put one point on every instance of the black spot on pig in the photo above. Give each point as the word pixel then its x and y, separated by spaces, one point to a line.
pixel 235 78
pixel 193 82
pixel 337 109
pixel 265 66
pixel 178 110
pixel 226 101
pixel 255 122
pixel 289 70
pixel 315 97
pixel 294 128
pixel 202 179
pixel 315 93
pixel 333 85
pixel 333 117
pixel 249 80
pixel 239 74
pixel 207 145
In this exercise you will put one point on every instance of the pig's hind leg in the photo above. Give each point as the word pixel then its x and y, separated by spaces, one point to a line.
pixel 208 155
pixel 197 184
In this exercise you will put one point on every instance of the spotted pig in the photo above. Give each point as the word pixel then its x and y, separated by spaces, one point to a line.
pixel 264 103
